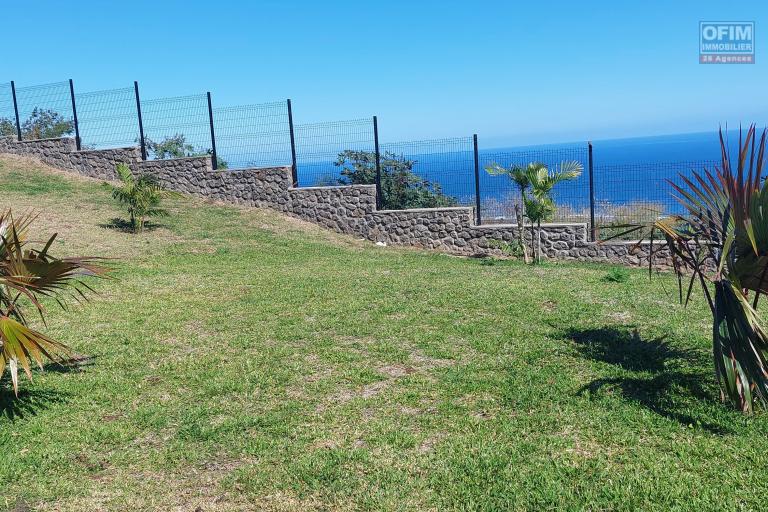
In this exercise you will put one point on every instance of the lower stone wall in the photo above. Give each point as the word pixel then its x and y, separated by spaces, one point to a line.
pixel 54 152
pixel 345 209
pixel 630 254
pixel 63 154
pixel 101 163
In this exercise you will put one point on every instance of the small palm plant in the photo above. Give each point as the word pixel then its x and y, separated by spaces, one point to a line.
pixel 26 277
pixel 519 177
pixel 721 242
pixel 540 203
pixel 141 195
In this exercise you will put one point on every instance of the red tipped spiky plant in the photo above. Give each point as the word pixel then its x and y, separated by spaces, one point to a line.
pixel 721 243
pixel 27 276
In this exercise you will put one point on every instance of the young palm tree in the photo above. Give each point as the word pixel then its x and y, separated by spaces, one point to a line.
pixel 540 205
pixel 141 195
pixel 721 242
pixel 519 177
pixel 27 276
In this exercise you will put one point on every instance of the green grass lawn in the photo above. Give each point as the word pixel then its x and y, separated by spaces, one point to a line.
pixel 245 361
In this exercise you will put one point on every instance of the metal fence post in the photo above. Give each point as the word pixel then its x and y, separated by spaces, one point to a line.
pixel 379 198
pixel 16 110
pixel 74 115
pixel 214 158
pixel 141 123
pixel 477 181
pixel 294 170
pixel 592 227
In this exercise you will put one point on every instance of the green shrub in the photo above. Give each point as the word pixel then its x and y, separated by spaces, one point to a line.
pixel 401 188
pixel 140 195
pixel 41 124
pixel 513 249
pixel 177 146
pixel 616 275
pixel 720 243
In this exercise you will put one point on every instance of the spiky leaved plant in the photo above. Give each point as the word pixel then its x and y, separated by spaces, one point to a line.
pixel 140 195
pixel 721 242
pixel 28 275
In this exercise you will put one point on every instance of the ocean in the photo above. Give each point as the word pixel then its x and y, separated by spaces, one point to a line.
pixel 630 175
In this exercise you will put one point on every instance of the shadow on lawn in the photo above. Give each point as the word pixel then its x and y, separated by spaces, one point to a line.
pixel 29 401
pixel 672 381
pixel 124 226
pixel 76 364
pixel 626 349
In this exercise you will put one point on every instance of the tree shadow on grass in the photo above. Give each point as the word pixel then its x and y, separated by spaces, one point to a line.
pixel 125 226
pixel 76 364
pixel 28 403
pixel 626 349
pixel 670 381
pixel 31 400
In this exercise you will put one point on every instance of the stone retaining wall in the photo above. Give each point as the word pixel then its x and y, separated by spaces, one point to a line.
pixel 62 153
pixel 101 163
pixel 346 209
pixel 54 152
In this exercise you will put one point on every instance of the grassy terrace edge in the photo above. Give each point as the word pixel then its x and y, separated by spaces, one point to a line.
pixel 351 209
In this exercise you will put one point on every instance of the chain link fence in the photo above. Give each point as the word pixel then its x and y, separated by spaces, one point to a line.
pixel 500 194
pixel 638 193
pixel 7 115
pixel 428 173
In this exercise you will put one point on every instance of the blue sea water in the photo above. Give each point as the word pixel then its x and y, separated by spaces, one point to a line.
pixel 631 173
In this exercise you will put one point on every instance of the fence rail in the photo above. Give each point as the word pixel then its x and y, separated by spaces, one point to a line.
pixel 410 174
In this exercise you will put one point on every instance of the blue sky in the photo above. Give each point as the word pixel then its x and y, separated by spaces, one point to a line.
pixel 513 72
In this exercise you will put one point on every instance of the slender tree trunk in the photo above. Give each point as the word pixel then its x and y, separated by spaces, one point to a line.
pixel 521 232
pixel 538 242
pixel 533 242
